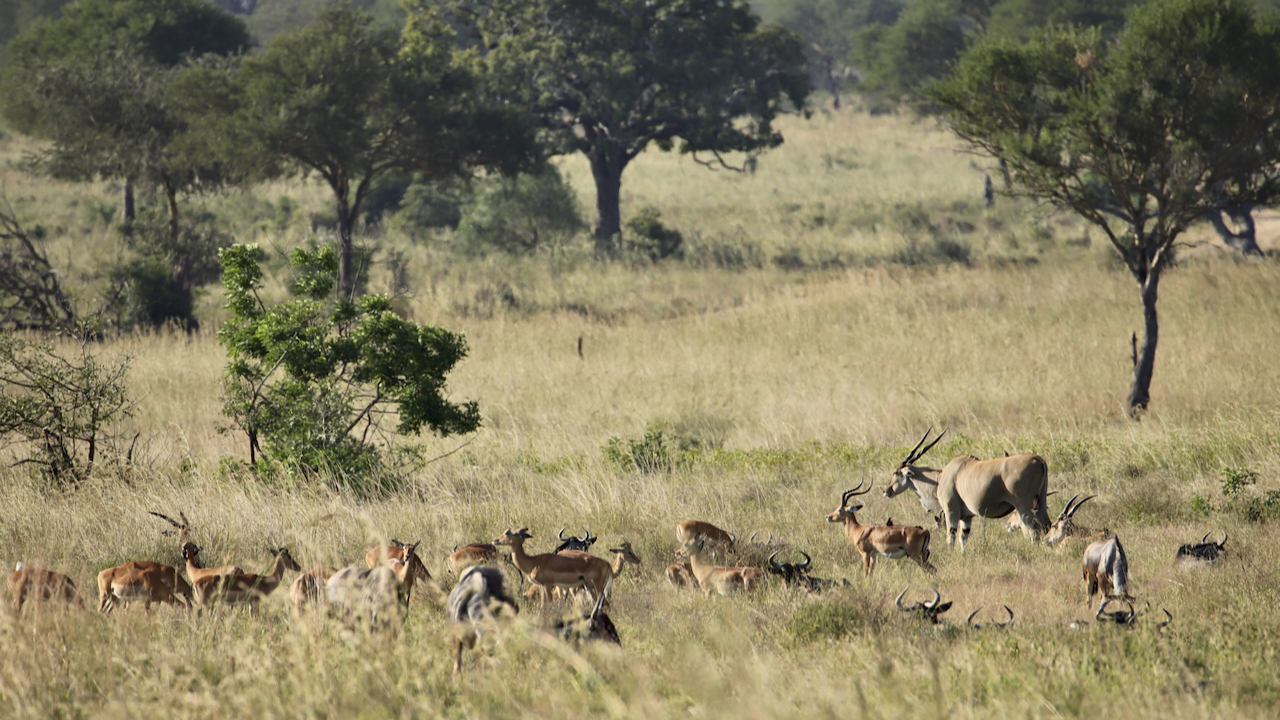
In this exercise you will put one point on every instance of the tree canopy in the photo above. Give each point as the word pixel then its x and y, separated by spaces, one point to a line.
pixel 608 78
pixel 1142 137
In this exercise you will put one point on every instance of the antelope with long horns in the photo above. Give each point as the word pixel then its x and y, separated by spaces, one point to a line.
pixel 877 541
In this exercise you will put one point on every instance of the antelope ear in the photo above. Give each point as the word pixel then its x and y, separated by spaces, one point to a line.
pixel 943 607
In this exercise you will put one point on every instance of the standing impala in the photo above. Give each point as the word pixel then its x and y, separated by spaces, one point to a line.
pixel 395 552
pixel 874 541
pixel 243 589
pixel 552 570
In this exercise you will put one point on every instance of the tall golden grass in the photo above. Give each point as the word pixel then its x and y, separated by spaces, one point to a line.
pixel 798 384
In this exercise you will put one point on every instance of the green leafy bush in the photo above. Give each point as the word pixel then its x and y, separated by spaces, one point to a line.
pixel 520 215
pixel 647 237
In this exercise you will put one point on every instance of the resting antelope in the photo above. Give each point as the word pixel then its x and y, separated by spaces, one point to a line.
pixel 723 580
pixel 1065 527
pixel 471 555
pixel 1202 553
pixel 376 593
pixel 40 584
pixel 873 541
pixel 244 589
pixel 395 552
pixel 131 584
pixel 1106 568
pixel 480 594
pixel 690 529
pixel 797 574
pixel 680 575
pixel 967 487
pixel 309 587
pixel 551 570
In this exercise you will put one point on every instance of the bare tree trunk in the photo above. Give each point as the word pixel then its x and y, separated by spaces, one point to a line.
pixel 1244 239
pixel 1140 390
pixel 346 225
pixel 607 163
pixel 127 211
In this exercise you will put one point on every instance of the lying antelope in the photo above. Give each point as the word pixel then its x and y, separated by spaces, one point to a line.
pixel 978 626
pixel 551 570
pixel 377 593
pixel 1106 568
pixel 41 584
pixel 723 580
pixel 124 584
pixel 929 610
pixel 308 590
pixel 245 589
pixel 1204 552
pixel 690 529
pixel 680 575
pixel 470 556
pixel 874 541
pixel 395 552
pixel 480 594
pixel 967 487
pixel 1065 526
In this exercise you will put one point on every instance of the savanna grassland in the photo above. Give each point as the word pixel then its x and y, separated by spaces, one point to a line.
pixel 830 307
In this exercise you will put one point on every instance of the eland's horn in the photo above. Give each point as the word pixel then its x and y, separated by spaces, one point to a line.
pixel 898 601
pixel 1008 622
pixel 929 447
pixel 911 456
pixel 1066 509
pixel 1082 502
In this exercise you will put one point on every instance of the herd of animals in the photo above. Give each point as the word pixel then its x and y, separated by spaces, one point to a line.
pixel 965 488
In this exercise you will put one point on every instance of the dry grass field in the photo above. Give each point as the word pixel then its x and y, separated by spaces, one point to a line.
pixel 810 364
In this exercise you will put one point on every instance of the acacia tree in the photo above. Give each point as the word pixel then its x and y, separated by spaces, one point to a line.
pixel 607 78
pixel 1142 137
pixel 352 103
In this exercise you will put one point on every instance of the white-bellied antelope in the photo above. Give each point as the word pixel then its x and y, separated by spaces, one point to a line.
pixel 395 552
pixel 1107 569
pixel 557 570
pixel 245 589
pixel 125 584
pixel 876 541
pixel 471 555
pixel 190 553
pixel 480 595
pixel 967 487
pixel 39 584
pixel 723 580
pixel 715 537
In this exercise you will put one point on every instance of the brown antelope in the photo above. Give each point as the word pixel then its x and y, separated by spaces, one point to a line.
pixel 471 555
pixel 40 584
pixel 551 570
pixel 967 487
pixel 690 529
pixel 723 580
pixel 126 584
pixel 680 575
pixel 169 574
pixel 244 589
pixel 875 541
pixel 196 573
pixel 480 594
pixel 1202 553
pixel 396 552
pixel 623 556
pixel 1065 527
pixel 309 587
pixel 376 593
pixel 1106 568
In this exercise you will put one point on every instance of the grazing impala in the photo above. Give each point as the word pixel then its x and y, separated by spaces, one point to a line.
pixel 551 570
pixel 1106 568
pixel 470 556
pixel 967 487
pixel 875 541
pixel 131 584
pixel 395 552
pixel 241 589
pixel 40 584
pixel 680 575
pixel 723 580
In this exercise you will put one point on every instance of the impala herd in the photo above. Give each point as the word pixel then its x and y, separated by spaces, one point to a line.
pixel 379 592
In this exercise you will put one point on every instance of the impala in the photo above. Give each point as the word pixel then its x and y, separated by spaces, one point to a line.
pixel 40 584
pixel 309 588
pixel 131 584
pixel 1106 568
pixel 967 487
pixel 169 574
pixel 680 574
pixel 551 570
pixel 197 573
pixel 876 541
pixel 1204 552
pixel 723 580
pixel 376 592
pixel 395 552
pixel 690 529
pixel 480 594
pixel 471 555
pixel 243 589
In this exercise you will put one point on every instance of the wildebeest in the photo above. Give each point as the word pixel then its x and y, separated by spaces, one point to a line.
pixel 1203 552
pixel 480 595
pixel 929 610
pixel 967 487
pixel 573 542
pixel 593 625
pixel 978 626
pixel 1106 568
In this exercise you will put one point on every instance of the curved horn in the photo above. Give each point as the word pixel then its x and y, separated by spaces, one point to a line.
pixel 1082 502
pixel 455 548
pixel 1066 509
pixel 1008 622
pixel 772 564
pixel 1101 607
pixel 1168 618
pixel 752 539
pixel 852 492
pixel 586 536
pixel 1224 540
pixel 807 561
pixel 1132 615
pixel 937 598
pixel 1205 539
pixel 898 602
pixel 561 535
pixel 860 491
pixel 732 538
pixel 969 620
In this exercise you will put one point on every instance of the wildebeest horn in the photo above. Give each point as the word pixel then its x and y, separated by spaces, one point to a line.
pixel 561 535
pixel 1168 618
pixel 969 620
pixel 1205 539
pixel 752 539
pixel 1224 540
pixel 586 536
pixel 1008 622
pixel 807 561
pixel 937 598
pixel 898 601
pixel 1101 607
pixel 773 564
